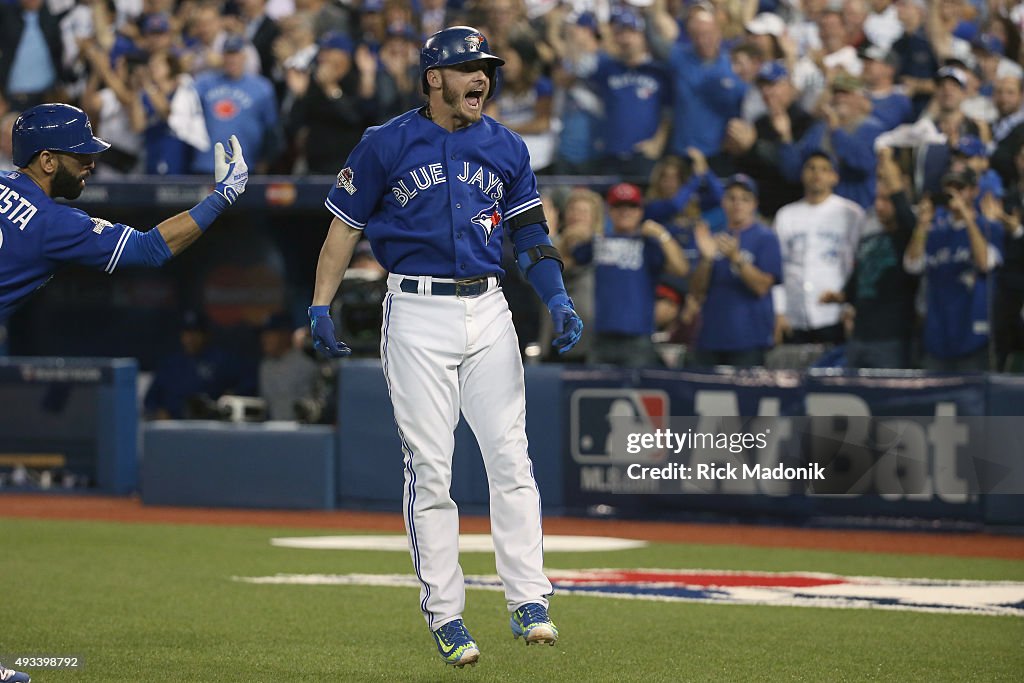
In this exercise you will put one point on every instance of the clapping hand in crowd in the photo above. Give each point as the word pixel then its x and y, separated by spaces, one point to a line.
pixel 728 246
pixel 890 179
pixel 960 206
pixel 740 136
pixel 706 244
pixel 925 214
pixel 992 209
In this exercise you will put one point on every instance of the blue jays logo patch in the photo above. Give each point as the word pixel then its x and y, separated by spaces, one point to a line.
pixel 473 42
pixel 488 219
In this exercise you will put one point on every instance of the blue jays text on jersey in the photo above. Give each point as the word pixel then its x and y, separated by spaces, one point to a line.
pixel 434 202
pixel 425 177
pixel 37 235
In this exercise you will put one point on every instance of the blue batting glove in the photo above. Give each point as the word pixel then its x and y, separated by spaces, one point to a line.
pixel 324 338
pixel 568 325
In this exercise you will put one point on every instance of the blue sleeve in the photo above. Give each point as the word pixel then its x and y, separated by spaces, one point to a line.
pixel 75 237
pixel 768 258
pixel 144 249
pixel 711 191
pixel 522 192
pixel 360 184
pixel 856 150
pixel 544 87
pixel 791 156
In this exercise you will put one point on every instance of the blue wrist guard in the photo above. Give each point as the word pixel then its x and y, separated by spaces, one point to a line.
pixel 205 212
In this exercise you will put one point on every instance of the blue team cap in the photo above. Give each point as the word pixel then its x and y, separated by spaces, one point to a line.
pixel 373 5
pixel 824 154
pixel 971 146
pixel 987 42
pixel 588 20
pixel 333 40
pixel 771 72
pixel 156 23
pixel 234 43
pixel 627 19
pixel 741 180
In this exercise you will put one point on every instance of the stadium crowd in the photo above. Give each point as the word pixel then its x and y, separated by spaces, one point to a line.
pixel 847 174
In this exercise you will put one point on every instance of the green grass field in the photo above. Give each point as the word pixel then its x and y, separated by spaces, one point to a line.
pixel 156 603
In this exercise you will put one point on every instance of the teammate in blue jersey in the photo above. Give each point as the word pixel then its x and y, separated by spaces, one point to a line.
pixel 436 190
pixel 55 152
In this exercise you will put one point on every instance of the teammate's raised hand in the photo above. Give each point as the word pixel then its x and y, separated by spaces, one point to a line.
pixel 567 323
pixel 324 338
pixel 230 171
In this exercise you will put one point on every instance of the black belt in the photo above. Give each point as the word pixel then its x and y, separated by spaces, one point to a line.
pixel 467 288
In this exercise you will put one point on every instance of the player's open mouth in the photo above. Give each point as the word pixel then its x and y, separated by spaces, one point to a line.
pixel 474 98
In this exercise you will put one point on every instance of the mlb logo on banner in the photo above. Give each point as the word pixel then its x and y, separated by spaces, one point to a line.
pixel 602 419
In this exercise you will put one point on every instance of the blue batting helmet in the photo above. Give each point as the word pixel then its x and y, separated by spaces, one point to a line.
pixel 456 45
pixel 55 127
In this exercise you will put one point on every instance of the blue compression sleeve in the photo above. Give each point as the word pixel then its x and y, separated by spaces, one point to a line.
pixel 545 275
pixel 546 278
pixel 205 212
pixel 144 249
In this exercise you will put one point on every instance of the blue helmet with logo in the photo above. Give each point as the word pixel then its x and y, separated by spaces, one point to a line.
pixel 55 127
pixel 456 45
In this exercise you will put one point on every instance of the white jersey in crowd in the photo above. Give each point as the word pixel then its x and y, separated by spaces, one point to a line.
pixel 818 242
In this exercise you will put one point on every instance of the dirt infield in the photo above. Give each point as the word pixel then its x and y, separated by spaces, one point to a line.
pixel 113 509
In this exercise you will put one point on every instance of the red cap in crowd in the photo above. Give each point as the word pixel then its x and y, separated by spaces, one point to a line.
pixel 625 193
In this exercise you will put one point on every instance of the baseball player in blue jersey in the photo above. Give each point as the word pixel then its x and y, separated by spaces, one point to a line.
pixel 436 190
pixel 55 152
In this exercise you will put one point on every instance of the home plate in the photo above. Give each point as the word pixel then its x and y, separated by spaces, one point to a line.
pixel 468 543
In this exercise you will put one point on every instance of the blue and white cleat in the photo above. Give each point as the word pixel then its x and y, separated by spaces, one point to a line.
pixel 12 676
pixel 531 621
pixel 456 646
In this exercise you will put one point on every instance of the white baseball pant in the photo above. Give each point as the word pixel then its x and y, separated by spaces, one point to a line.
pixel 442 354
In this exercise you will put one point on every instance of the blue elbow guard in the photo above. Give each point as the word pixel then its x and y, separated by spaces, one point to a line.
pixel 530 257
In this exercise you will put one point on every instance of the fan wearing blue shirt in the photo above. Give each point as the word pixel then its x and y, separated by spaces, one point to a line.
pixel 636 95
pixel 958 250
pixel 737 269
pixel 707 93
pixel 628 263
pixel 889 103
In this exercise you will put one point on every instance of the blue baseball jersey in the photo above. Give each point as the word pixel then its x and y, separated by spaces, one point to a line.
pixel 635 97
pixel 434 202
pixel 37 235
pixel 957 322
pixel 734 318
